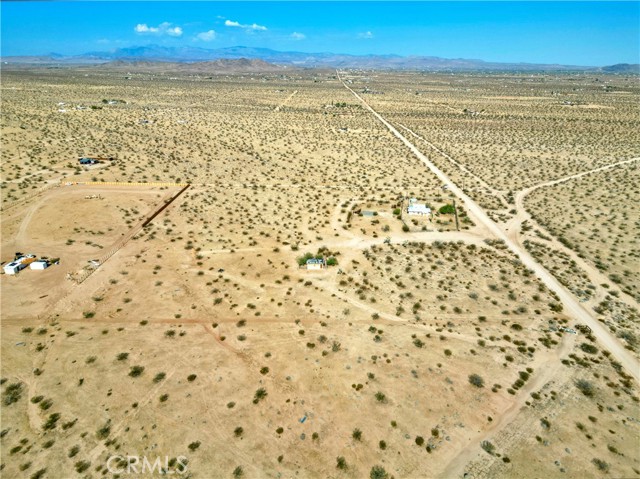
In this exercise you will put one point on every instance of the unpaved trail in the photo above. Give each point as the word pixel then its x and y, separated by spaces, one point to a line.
pixel 392 318
pixel 546 368
pixel 571 305
pixel 522 214
pixel 512 228
pixel 21 235
pixel 360 242
pixel 119 427
pixel 353 241
pixel 286 101
pixel 526 191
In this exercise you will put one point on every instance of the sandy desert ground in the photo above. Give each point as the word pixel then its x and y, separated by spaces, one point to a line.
pixel 497 338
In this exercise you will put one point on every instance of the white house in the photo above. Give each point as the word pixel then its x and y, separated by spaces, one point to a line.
pixel 418 209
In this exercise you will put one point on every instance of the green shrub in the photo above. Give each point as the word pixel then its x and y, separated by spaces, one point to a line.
pixel 600 464
pixel 82 466
pixel 12 393
pixel 51 422
pixel 104 431
pixel 585 387
pixel 476 380
pixel 136 371
pixel 302 260
pixel 378 472
pixel 38 474
pixel 259 395
pixel 488 447
pixel 447 209
pixel 589 348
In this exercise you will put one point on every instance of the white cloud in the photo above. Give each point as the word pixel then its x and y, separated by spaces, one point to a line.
pixel 298 36
pixel 365 35
pixel 143 28
pixel 207 36
pixel 164 28
pixel 174 32
pixel 252 27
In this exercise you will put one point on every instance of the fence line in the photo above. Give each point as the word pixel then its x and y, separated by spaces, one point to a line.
pixel 33 194
pixel 7 206
pixel 132 233
pixel 125 183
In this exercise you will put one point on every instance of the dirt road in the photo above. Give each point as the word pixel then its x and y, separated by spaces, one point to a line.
pixel 547 366
pixel 460 166
pixel 512 227
pixel 521 194
pixel 571 305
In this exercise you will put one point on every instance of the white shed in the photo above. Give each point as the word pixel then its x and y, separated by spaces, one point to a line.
pixel 315 263
pixel 39 265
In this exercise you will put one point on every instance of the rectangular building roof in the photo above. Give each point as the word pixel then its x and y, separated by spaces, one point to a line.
pixel 418 208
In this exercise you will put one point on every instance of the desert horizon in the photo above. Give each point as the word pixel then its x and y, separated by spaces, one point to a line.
pixel 239 268
pixel 180 302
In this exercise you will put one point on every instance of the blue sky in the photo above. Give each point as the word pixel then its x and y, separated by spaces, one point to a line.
pixel 578 33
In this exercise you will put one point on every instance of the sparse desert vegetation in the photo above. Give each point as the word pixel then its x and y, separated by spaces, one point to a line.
pixel 419 346
pixel 596 216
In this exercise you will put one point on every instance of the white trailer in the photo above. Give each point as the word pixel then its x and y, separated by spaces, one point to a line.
pixel 13 267
pixel 39 265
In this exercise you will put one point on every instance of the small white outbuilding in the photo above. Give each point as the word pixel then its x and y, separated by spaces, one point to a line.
pixel 314 263
pixel 39 265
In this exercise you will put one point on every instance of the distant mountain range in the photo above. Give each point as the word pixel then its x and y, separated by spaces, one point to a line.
pixel 240 65
pixel 622 68
pixel 156 53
